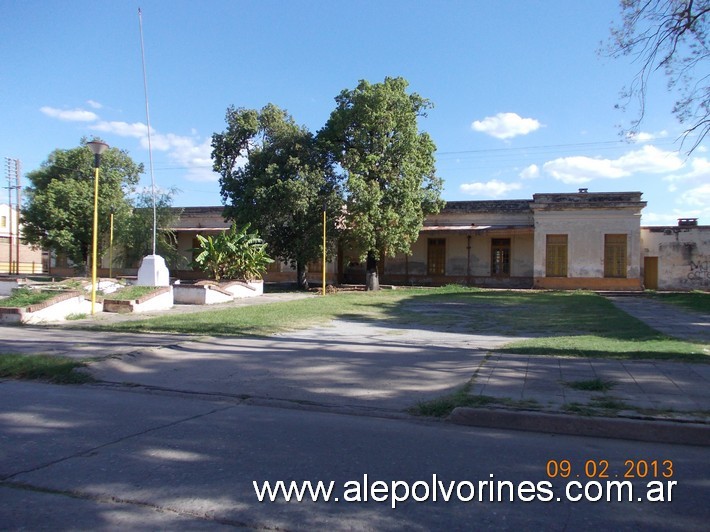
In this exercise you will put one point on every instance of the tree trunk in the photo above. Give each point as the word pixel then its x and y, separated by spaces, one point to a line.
pixel 301 276
pixel 372 279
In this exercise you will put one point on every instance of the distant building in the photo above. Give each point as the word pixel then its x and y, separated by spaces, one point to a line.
pixel 13 253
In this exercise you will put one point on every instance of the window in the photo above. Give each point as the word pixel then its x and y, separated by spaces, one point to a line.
pixel 556 256
pixel 614 255
pixel 500 257
pixel 3 221
pixel 436 256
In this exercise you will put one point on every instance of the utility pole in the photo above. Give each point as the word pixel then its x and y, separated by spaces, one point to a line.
pixel 12 168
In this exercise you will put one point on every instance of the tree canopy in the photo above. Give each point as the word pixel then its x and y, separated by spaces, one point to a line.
pixel 387 166
pixel 274 177
pixel 135 233
pixel 59 203
pixel 671 36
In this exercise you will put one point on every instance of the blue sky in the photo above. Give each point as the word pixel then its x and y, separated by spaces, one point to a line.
pixel 523 102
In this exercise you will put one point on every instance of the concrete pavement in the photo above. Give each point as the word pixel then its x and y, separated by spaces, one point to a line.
pixel 383 370
pixel 180 427
pixel 652 391
pixel 92 458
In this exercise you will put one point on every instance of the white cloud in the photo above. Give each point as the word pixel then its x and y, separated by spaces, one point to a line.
pixel 582 169
pixel 197 158
pixel 70 115
pixel 136 130
pixel 699 169
pixel 653 218
pixel 94 104
pixel 644 136
pixel 188 153
pixel 492 188
pixel 506 125
pixel 698 196
pixel 531 172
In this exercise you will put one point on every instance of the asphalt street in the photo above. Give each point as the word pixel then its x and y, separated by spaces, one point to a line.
pixel 82 457
pixel 178 429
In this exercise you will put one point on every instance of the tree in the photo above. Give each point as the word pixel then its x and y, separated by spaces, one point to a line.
pixel 387 165
pixel 233 254
pixel 59 204
pixel 274 177
pixel 136 232
pixel 668 35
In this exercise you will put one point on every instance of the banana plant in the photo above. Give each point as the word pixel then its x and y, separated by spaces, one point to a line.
pixel 233 254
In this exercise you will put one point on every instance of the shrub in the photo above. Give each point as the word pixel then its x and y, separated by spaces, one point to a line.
pixel 233 254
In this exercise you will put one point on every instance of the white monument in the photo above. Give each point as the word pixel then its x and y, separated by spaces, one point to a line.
pixel 153 272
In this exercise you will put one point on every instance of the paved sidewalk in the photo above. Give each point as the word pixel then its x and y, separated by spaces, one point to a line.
pixel 643 389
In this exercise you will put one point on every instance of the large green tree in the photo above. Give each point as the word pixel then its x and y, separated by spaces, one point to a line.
pixel 274 177
pixel 388 167
pixel 59 204
pixel 670 36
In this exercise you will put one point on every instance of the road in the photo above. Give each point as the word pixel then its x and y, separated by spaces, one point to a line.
pixel 83 457
pixel 180 428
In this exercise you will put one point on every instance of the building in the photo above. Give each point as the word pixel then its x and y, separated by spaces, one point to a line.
pixel 558 241
pixel 582 240
pixel 16 257
pixel 676 257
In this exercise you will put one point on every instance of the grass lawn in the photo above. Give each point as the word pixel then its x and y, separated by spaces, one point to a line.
pixel 696 300
pixel 24 297
pixel 42 367
pixel 130 292
pixel 580 324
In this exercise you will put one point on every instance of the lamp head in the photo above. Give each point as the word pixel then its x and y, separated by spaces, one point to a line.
pixel 97 148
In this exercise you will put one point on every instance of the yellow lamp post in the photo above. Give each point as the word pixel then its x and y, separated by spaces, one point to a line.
pixel 324 248
pixel 97 148
pixel 110 249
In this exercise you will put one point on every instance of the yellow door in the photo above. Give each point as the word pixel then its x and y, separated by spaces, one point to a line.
pixel 650 273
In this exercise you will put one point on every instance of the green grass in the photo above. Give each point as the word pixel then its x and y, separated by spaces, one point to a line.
pixel 261 320
pixel 643 346
pixel 24 297
pixel 580 324
pixel 130 292
pixel 42 367
pixel 443 406
pixel 696 300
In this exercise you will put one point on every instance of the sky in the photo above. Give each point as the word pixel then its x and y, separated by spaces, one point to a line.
pixel 524 103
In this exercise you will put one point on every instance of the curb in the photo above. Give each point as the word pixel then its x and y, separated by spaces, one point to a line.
pixel 600 427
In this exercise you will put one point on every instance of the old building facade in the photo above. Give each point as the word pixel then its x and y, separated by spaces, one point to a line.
pixel 558 241
pixel 582 240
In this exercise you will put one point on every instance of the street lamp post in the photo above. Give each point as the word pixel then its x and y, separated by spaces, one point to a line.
pixel 110 248
pixel 97 148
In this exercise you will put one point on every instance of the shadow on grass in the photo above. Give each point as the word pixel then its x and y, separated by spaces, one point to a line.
pixel 576 323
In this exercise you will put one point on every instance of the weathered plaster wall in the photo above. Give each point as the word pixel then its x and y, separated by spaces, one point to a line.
pixel 585 241
pixel 683 256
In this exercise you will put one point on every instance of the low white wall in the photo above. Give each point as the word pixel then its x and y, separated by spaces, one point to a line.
pixel 160 301
pixel 59 311
pixel 240 290
pixel 200 294
pixel 49 311
pixel 8 285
